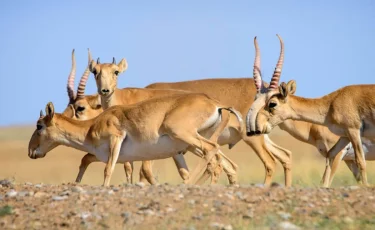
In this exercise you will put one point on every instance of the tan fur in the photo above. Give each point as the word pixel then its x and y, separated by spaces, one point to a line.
pixel 347 112
pixel 120 128
pixel 106 80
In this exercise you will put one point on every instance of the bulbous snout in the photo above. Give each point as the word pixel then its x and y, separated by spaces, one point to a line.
pixel 253 133
pixel 105 91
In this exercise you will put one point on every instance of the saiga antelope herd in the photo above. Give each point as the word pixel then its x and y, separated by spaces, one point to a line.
pixel 166 120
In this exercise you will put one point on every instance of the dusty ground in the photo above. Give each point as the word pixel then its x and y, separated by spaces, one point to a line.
pixel 41 195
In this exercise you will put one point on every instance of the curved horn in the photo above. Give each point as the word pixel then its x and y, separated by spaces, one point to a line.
pixel 70 85
pixel 277 73
pixel 114 61
pixel 256 71
pixel 41 113
pixel 90 57
pixel 82 84
pixel 98 61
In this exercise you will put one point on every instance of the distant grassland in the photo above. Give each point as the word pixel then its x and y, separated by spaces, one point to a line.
pixel 61 164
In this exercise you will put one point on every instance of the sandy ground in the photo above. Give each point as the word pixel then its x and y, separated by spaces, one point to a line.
pixel 32 199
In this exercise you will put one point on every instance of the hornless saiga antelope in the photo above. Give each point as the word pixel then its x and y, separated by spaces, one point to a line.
pixel 83 107
pixel 149 130
pixel 347 112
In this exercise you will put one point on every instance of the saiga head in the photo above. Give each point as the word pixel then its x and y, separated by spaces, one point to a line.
pixel 264 92
pixel 106 75
pixel 44 137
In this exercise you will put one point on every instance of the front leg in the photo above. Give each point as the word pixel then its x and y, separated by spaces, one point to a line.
pixel 355 138
pixel 115 143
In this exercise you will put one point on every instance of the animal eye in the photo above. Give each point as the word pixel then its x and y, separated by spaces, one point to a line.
pixel 80 109
pixel 116 72
pixel 272 105
pixel 39 127
pixel 94 72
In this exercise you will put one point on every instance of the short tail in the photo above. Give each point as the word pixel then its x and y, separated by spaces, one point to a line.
pixel 236 113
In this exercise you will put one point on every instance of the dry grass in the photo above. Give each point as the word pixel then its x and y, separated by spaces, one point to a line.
pixel 61 164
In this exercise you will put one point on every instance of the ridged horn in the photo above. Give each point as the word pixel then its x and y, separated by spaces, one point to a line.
pixel 70 85
pixel 277 73
pixel 257 76
pixel 114 61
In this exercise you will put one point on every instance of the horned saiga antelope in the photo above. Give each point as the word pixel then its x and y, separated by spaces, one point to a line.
pixel 347 112
pixel 106 80
pixel 149 130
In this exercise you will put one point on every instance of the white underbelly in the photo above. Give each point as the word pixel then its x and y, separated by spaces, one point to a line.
pixel 132 150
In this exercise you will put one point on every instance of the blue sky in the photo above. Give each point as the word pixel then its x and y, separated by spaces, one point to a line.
pixel 328 44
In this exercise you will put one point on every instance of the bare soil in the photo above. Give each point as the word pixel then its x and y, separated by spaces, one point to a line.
pixel 164 206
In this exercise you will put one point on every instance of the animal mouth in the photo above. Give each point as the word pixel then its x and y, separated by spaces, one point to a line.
pixel 34 153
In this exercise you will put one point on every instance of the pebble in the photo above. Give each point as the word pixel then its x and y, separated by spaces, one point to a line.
pixel 288 226
pixel 248 215
pixel 140 184
pixel 26 193
pixel 126 214
pixel 85 215
pixel 78 189
pixel 148 212
pixel 38 185
pixel 40 194
pixel 191 202
pixel 169 209
pixel 59 198
pixel 284 215
pixel 353 187
pixel 11 193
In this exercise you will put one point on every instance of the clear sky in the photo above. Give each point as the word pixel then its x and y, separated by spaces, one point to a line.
pixel 328 44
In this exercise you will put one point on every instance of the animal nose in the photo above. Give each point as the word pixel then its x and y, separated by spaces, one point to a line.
pixel 258 132
pixel 251 133
pixel 105 90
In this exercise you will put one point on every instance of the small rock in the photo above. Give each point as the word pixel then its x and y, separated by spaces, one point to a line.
pixel 228 227
pixel 169 209
pixel 284 215
pixel 65 193
pixel 348 220
pixel 126 214
pixel 191 202
pixel 11 193
pixel 25 193
pixel 110 192
pixel 85 215
pixel 216 225
pixel 259 185
pixel 59 198
pixel 148 212
pixel 248 215
pixel 188 228
pixel 353 187
pixel 38 186
pixel 304 198
pixel 40 194
pixel 6 183
pixel 197 217
pixel 140 184
pixel 77 189
pixel 1 197
pixel 325 199
pixel 275 184
pixel 28 183
pixel 288 226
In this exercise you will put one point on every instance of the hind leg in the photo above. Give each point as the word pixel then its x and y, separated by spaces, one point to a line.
pixel 85 162
pixel 128 167
pixel 145 173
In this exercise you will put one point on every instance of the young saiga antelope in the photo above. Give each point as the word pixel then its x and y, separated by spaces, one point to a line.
pixel 149 130
pixel 347 112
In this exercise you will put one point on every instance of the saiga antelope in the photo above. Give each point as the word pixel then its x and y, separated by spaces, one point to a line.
pixel 317 135
pixel 347 112
pixel 106 80
pixel 83 107
pixel 149 130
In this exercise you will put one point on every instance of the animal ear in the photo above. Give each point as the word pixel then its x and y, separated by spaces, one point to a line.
pixel 122 65
pixel 292 86
pixel 50 110
pixel 92 65
pixel 283 88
